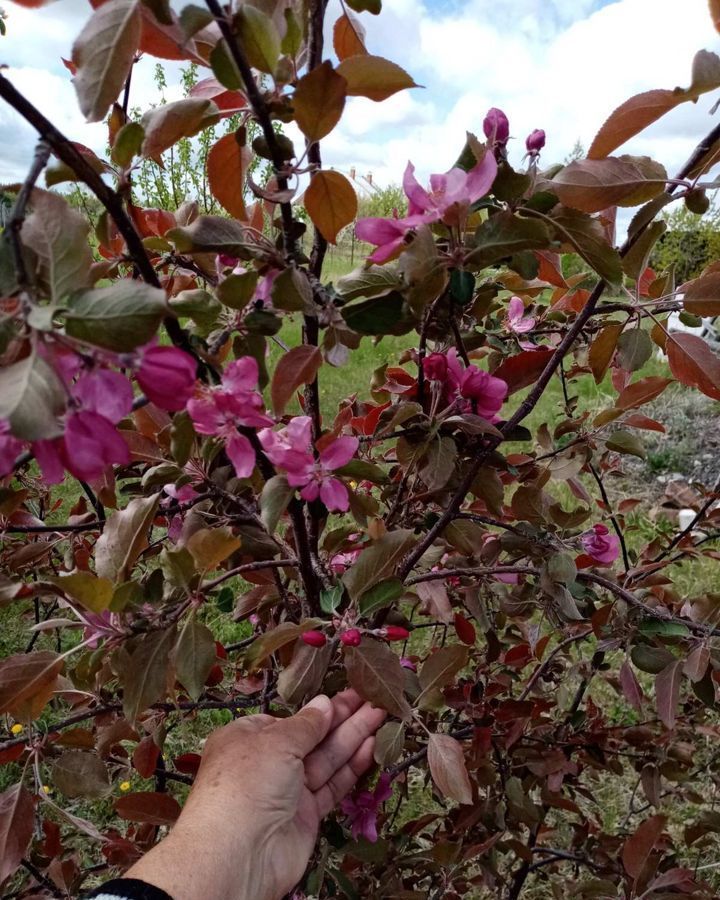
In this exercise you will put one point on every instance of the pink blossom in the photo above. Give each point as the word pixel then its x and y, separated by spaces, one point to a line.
pixel 516 320
pixel 90 442
pixel 496 126
pixel 451 194
pixel 290 449
pixel 599 544
pixel 235 402
pixel 407 663
pixel 10 446
pixel 459 385
pixel 448 200
pixel 180 494
pixel 388 235
pixel 362 807
pixel 167 376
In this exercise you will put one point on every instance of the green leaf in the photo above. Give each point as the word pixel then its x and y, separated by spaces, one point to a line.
pixel 236 291
pixel 211 234
pixel 274 500
pixel 371 6
pixel 371 282
pixel 104 53
pixel 59 237
pixel 331 598
pixel 259 38
pixel 128 142
pixel 198 305
pixel 587 236
pixel 31 399
pixel 167 124
pixel 388 314
pixel 651 659
pixel 210 546
pixel 120 317
pixel 662 628
pixel 225 600
pixel 636 260
pixel 92 592
pixel 362 470
pixel 504 234
pixel 381 595
pixel 273 640
pixel 225 68
pixel 378 562
pixel 144 670
pixel 634 349
pixel 561 568
pixel 424 271
pixel 626 442
pixel 124 538
pixel 291 291
pixel 194 655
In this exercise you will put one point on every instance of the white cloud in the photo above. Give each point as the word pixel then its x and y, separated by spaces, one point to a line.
pixel 562 65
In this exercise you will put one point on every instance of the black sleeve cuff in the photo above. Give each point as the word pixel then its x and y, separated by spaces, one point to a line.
pixel 127 889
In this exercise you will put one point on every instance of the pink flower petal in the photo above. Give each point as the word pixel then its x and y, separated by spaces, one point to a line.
pixel 339 452
pixel 241 454
pixel 334 495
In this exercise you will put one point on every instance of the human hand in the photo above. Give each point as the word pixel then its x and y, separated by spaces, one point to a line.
pixel 251 820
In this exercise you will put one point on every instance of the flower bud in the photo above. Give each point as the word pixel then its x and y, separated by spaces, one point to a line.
pixel 395 633
pixel 314 638
pixel 535 141
pixel 351 637
pixel 496 126
pixel 407 663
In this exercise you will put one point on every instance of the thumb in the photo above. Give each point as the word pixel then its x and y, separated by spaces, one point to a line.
pixel 307 728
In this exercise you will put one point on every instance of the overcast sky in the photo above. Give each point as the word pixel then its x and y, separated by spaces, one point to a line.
pixel 561 65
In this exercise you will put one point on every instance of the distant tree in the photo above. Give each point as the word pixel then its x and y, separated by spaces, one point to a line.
pixel 690 243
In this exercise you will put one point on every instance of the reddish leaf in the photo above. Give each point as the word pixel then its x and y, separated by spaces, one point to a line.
pixel 603 349
pixel 331 203
pixel 693 363
pixel 701 297
pixel 319 101
pixel 630 118
pixel 188 763
pixel 348 37
pixel 10 754
pixel 523 369
pixel 16 828
pixel 448 769
pixel 714 12
pixel 631 689
pixel 591 185
pixel 27 682
pixel 639 846
pixel 148 807
pixel 227 164
pixel 167 124
pixel 695 666
pixel 465 629
pixel 298 366
pixel 642 391
pixel 637 420
pixel 226 101
pixel 145 757
pixel 667 692
pixel 376 674
pixel 439 670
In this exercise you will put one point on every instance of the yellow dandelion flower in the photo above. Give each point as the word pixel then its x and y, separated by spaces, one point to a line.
pixel 125 785
pixel 17 728
pixel 353 484
pixel 47 789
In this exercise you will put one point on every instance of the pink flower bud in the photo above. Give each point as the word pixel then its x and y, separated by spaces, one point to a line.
pixel 407 663
pixel 535 141
pixel 395 633
pixel 496 126
pixel 435 367
pixel 314 638
pixel 351 637
pixel 167 377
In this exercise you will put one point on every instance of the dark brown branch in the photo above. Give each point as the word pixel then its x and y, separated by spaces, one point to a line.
pixel 66 152
pixel 613 518
pixel 699 516
pixel 95 525
pixel 259 107
pixel 17 216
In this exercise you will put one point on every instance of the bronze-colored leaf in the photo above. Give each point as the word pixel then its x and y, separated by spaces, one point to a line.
pixel 374 671
pixel 331 203
pixel 319 100
pixel 447 767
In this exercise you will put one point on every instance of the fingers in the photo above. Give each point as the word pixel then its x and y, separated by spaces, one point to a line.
pixel 344 705
pixel 343 781
pixel 341 745
pixel 302 732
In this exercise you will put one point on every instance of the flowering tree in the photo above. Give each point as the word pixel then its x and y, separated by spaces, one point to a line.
pixel 468 574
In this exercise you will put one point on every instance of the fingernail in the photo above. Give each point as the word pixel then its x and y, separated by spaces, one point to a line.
pixel 321 703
